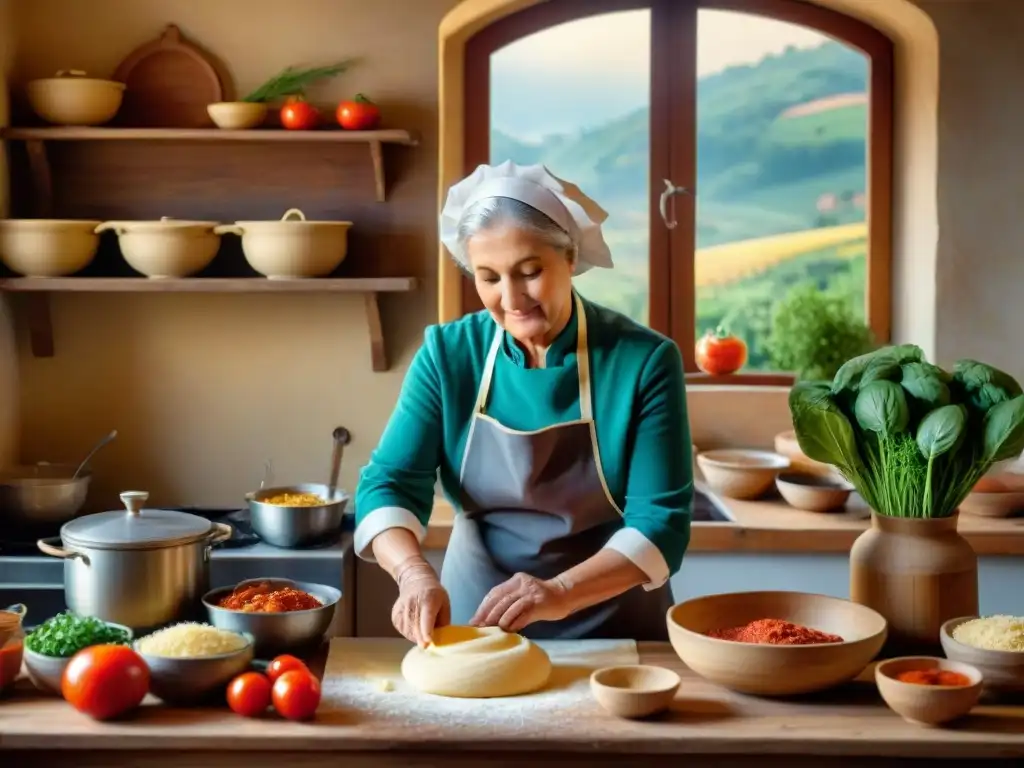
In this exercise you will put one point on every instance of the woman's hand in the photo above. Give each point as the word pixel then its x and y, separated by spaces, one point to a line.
pixel 422 602
pixel 523 600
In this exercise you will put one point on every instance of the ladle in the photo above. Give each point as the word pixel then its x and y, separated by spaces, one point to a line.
pixel 106 439
pixel 342 437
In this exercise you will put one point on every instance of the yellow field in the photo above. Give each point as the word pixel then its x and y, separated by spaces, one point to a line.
pixel 731 261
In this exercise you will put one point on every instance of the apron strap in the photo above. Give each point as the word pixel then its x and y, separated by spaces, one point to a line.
pixel 582 365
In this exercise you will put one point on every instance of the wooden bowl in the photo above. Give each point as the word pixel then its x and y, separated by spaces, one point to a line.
pixel 634 691
pixel 814 493
pixel 927 704
pixel 740 473
pixel 993 503
pixel 775 670
pixel 1003 670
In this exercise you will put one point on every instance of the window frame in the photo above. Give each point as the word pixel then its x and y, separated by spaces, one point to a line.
pixel 673 128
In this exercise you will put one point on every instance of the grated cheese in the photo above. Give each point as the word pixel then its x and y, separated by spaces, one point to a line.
pixel 191 640
pixel 992 633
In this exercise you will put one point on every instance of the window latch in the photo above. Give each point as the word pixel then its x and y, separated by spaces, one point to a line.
pixel 671 190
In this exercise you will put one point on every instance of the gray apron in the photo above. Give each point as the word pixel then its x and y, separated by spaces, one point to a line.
pixel 537 503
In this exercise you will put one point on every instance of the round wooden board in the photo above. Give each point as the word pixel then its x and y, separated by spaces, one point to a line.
pixel 169 81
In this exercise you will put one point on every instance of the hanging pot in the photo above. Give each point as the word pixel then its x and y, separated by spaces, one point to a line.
pixel 917 573
pixel 142 568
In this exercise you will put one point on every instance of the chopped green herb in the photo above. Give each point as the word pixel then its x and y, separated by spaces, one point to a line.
pixel 67 633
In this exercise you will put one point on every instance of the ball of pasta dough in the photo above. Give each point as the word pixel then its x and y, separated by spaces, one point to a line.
pixel 476 663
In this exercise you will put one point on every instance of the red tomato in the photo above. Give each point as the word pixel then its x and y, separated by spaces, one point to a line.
pixel 719 353
pixel 298 115
pixel 249 694
pixel 359 114
pixel 105 681
pixel 285 663
pixel 296 695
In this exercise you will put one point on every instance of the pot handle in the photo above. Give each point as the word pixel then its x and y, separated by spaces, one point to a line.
pixel 293 213
pixel 222 532
pixel 70 73
pixel 47 547
pixel 20 609
pixel 228 229
pixel 108 226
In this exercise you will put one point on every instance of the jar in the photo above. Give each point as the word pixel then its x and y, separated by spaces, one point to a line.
pixel 142 568
pixel 12 644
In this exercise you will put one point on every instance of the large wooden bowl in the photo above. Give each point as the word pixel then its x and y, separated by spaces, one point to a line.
pixel 775 670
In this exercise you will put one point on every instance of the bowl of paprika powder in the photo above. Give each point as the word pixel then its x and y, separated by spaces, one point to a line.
pixel 776 643
pixel 928 690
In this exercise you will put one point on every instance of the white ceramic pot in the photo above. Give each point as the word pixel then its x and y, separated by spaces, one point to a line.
pixel 166 248
pixel 47 247
pixel 292 247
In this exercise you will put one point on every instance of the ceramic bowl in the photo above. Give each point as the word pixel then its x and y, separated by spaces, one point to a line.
pixel 740 473
pixel 237 115
pixel 813 493
pixel 927 704
pixel 1003 670
pixel 634 691
pixel 993 503
pixel 189 680
pixel 46 672
pixel 775 670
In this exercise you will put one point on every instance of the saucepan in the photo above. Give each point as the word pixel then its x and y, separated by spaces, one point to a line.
pixel 44 494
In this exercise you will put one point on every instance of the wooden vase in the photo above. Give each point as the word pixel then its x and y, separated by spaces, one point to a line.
pixel 917 573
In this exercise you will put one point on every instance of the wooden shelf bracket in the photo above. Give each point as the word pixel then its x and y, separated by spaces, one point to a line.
pixel 378 349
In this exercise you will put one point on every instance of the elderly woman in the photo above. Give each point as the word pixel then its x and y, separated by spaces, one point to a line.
pixel 557 427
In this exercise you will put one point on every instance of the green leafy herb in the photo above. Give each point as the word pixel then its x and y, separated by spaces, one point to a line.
pixel 67 633
pixel 293 82
pixel 813 332
pixel 912 438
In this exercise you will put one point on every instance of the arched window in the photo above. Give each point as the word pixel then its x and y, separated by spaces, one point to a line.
pixel 769 120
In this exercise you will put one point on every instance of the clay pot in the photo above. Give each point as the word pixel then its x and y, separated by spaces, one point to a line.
pixel 917 573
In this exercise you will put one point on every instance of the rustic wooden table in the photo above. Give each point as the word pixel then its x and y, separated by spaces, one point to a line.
pixel 706 726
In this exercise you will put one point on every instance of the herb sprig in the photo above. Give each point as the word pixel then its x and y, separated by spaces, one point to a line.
pixel 67 633
pixel 293 82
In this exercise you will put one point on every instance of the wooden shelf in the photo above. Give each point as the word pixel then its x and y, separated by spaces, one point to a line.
pixel 38 289
pixel 35 139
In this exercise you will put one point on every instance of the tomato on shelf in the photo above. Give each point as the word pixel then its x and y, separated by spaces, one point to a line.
pixel 296 695
pixel 285 663
pixel 299 115
pixel 105 681
pixel 249 694
pixel 359 114
pixel 719 353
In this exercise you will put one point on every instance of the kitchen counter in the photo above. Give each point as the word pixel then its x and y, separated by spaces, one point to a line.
pixel 771 525
pixel 707 725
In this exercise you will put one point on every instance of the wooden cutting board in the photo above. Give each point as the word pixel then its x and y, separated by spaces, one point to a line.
pixel 363 678
pixel 169 82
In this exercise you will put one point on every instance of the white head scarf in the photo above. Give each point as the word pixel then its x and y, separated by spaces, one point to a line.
pixel 538 188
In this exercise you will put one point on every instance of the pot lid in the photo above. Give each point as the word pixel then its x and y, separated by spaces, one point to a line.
pixel 292 218
pixel 135 528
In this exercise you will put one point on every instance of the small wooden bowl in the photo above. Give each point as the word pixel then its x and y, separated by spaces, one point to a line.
pixel 993 503
pixel 927 704
pixel 634 691
pixel 814 493
pixel 1003 670
pixel 775 670
pixel 740 473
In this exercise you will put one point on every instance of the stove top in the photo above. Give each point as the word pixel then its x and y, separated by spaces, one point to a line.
pixel 23 544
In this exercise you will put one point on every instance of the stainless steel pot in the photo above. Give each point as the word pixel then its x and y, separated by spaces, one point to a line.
pixel 296 527
pixel 41 494
pixel 142 568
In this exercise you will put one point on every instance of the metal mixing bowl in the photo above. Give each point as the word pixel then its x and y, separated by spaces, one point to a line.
pixel 276 633
pixel 194 679
pixel 295 527
pixel 41 495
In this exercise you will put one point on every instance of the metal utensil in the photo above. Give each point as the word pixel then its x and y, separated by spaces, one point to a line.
pixel 342 437
pixel 106 439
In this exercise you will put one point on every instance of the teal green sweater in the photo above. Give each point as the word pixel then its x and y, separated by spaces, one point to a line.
pixel 639 409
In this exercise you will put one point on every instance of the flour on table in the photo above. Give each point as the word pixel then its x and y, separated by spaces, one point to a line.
pixel 359 671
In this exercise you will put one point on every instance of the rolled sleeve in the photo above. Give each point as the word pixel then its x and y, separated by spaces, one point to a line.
pixel 659 491
pixel 380 520
pixel 396 487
